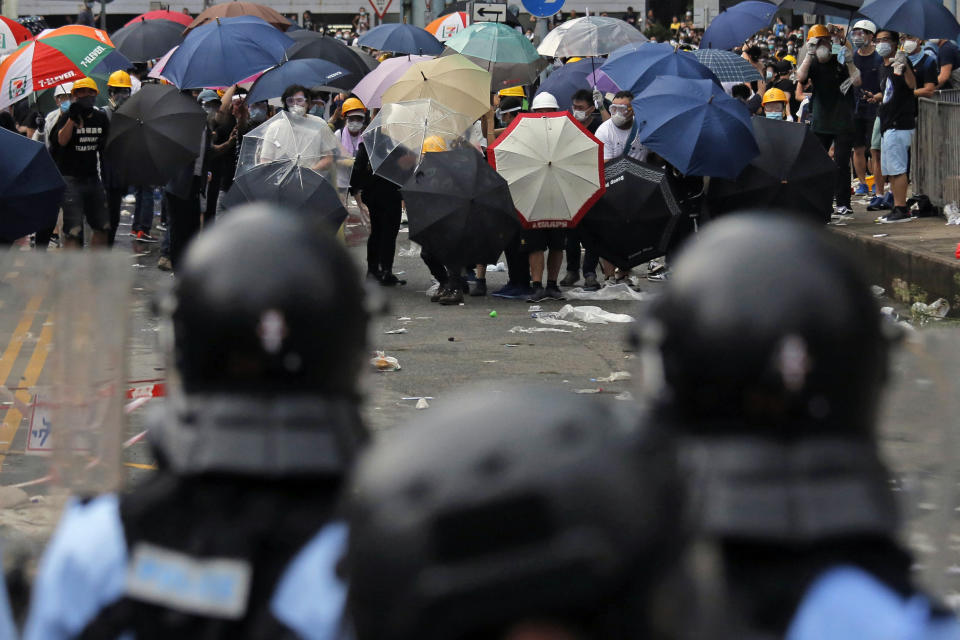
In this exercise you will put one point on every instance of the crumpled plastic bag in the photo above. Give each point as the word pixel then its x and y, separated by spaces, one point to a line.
pixel 538 330
pixel 952 213
pixel 500 266
pixel 621 291
pixel 412 252
pixel 936 310
pixel 383 362
pixel 592 315
pixel 556 322
pixel 616 376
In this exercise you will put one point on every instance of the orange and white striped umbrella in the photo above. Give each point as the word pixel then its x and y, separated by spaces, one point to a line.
pixel 54 57
pixel 445 27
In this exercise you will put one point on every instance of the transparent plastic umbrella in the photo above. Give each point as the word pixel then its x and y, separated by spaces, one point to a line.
pixel 590 36
pixel 396 137
pixel 304 141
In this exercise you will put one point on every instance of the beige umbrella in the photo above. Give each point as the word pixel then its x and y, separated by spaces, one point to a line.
pixel 453 81
pixel 233 9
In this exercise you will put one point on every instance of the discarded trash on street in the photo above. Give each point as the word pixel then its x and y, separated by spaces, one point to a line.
pixel 594 315
pixel 936 310
pixel 615 377
pixel 877 291
pixel 383 362
pixel 538 330
pixel 500 266
pixel 552 319
pixel 395 331
pixel 952 213
pixel 422 404
pixel 412 252
pixel 620 291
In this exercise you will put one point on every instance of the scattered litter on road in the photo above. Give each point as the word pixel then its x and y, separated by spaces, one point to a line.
pixel 877 291
pixel 551 319
pixel 451 339
pixel 936 310
pixel 594 315
pixel 488 361
pixel 404 319
pixel 423 404
pixel 509 344
pixel 493 314
pixel 626 395
pixel 534 308
pixel 423 318
pixel 614 377
pixel 412 252
pixel 500 266
pixel 395 331
pixel 584 391
pixel 952 213
pixel 620 291
pixel 383 362
pixel 538 330
pixel 880 235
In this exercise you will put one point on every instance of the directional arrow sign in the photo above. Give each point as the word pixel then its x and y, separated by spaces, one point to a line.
pixel 488 12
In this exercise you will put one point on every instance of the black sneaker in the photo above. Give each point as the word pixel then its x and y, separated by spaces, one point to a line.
pixel 439 293
pixel 570 279
pixel 478 287
pixel 552 292
pixel 899 214
pixel 539 294
pixel 451 296
pixel 590 282
pixel 390 280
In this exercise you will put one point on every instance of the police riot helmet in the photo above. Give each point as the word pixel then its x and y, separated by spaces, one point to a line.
pixel 269 334
pixel 501 507
pixel 768 352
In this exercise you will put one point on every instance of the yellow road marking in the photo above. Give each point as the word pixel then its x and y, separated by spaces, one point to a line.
pixel 137 465
pixel 16 340
pixel 11 423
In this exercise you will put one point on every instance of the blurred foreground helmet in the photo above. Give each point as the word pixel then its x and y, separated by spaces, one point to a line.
pixel 768 349
pixel 269 332
pixel 494 510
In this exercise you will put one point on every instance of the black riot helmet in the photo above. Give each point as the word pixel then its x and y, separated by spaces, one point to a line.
pixel 493 510
pixel 768 352
pixel 269 333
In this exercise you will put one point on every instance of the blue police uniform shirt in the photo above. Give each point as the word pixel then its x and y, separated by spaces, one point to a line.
pixel 847 602
pixel 85 568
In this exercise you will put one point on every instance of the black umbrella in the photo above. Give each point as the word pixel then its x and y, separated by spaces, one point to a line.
pixel 636 218
pixel 145 40
pixel 154 134
pixel 291 186
pixel 367 59
pixel 31 186
pixel 792 173
pixel 310 44
pixel 459 208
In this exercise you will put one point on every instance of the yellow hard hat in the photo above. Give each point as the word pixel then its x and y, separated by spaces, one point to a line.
pixel 119 79
pixel 516 92
pixel 352 104
pixel 774 95
pixel 85 83
pixel 790 58
pixel 384 56
pixel 434 143
pixel 818 31
pixel 573 59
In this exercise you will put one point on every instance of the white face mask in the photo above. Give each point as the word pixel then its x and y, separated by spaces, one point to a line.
pixel 910 46
pixel 298 110
pixel 354 126
pixel 823 53
pixel 774 115
pixel 580 115
pixel 884 49
pixel 619 119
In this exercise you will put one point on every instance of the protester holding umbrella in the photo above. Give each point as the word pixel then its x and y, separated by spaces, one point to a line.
pixel 832 77
pixel 619 133
pixel 76 142
pixel 183 201
pixel 118 87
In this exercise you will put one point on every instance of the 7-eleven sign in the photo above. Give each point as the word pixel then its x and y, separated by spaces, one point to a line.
pixel 380 7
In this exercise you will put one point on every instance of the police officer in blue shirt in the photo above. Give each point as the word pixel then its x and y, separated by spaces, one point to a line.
pixel 236 536
pixel 767 353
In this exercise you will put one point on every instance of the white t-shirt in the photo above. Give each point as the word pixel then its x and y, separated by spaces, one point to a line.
pixel 614 139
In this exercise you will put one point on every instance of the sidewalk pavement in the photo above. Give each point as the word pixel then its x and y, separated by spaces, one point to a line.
pixel 914 261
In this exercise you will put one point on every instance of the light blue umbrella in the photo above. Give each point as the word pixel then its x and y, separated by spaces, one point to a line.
pixel 225 51
pixel 695 126
pixel 402 38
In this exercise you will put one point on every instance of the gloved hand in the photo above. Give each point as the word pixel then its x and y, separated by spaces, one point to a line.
pixel 900 57
pixel 76 112
pixel 597 99
pixel 845 85
pixel 842 56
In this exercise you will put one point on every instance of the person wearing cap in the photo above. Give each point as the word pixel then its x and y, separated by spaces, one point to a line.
pixel 76 143
pixel 832 77
pixel 868 62
pixel 775 105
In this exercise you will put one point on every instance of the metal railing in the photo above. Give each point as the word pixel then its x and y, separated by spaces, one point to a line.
pixel 935 166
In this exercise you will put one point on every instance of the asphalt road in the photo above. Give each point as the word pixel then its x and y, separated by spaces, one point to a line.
pixel 443 349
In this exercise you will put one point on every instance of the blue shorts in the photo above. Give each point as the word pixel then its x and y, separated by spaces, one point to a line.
pixel 895 151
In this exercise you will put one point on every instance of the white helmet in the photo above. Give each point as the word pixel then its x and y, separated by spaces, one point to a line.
pixel 63 89
pixel 866 25
pixel 544 101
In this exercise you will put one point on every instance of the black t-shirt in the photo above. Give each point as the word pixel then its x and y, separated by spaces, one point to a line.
pixel 593 122
pixel 898 107
pixel 832 110
pixel 926 70
pixel 869 68
pixel 948 53
pixel 789 87
pixel 79 157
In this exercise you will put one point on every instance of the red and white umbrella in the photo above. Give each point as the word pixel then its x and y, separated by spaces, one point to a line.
pixel 54 57
pixel 12 33
pixel 162 14
pixel 554 167
pixel 445 27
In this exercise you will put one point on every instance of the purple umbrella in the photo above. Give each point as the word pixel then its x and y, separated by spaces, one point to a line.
pixel 370 90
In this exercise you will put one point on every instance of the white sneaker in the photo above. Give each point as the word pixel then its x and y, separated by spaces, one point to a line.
pixel 129 199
